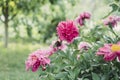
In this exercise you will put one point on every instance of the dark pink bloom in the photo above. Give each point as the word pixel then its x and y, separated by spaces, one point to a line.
pixel 37 59
pixel 67 31
pixel 112 20
pixel 81 19
pixel 110 51
pixel 84 46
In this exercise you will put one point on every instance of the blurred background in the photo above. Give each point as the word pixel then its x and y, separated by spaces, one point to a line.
pixel 27 25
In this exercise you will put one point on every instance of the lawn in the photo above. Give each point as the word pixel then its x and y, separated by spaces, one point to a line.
pixel 12 61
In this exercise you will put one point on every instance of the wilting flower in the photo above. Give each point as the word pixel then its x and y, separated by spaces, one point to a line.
pixel 37 59
pixel 57 45
pixel 81 18
pixel 112 21
pixel 84 46
pixel 67 31
pixel 110 51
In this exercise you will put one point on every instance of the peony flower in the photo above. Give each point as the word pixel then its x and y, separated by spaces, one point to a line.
pixel 81 19
pixel 37 59
pixel 84 46
pixel 110 51
pixel 112 21
pixel 67 31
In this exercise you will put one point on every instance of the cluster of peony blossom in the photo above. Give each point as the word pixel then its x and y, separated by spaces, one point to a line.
pixel 68 31
pixel 41 57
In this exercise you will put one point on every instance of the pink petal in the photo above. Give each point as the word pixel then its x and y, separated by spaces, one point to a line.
pixel 36 66
pixel 109 57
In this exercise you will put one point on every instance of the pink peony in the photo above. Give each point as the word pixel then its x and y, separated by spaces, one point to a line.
pixel 67 31
pixel 84 46
pixel 110 51
pixel 112 20
pixel 80 19
pixel 37 59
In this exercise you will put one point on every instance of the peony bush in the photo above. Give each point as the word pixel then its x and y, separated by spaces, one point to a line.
pixel 77 55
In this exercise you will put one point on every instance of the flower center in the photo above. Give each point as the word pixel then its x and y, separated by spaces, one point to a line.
pixel 115 47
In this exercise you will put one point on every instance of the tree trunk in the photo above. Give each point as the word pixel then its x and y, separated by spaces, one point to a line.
pixel 6 34
pixel 5 11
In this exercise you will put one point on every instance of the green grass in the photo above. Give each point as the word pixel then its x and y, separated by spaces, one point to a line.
pixel 12 62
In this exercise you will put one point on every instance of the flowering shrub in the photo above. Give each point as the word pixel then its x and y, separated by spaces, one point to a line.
pixel 75 56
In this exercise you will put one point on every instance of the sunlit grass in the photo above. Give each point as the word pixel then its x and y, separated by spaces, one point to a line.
pixel 12 61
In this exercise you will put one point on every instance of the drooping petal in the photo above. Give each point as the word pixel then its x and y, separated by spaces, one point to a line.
pixel 109 57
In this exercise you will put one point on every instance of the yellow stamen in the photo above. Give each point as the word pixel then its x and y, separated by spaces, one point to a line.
pixel 115 47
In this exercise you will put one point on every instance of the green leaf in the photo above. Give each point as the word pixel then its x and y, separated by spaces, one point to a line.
pixel 95 76
pixel 104 77
pixel 86 79
pixel 116 0
pixel 114 7
pixel 71 75
pixel 119 9
pixel 61 75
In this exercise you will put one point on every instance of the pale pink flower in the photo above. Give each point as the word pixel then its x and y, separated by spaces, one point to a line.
pixel 67 31
pixel 37 59
pixel 81 18
pixel 84 46
pixel 110 51
pixel 112 20
pixel 58 45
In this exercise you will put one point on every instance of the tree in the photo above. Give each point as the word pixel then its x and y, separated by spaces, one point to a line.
pixel 9 9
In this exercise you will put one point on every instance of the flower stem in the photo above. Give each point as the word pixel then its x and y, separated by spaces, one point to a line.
pixel 114 33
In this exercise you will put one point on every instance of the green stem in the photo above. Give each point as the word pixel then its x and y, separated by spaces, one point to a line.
pixel 114 33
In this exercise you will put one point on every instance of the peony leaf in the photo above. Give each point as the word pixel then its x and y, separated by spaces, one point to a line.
pixel 114 7
pixel 95 76
pixel 61 75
